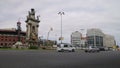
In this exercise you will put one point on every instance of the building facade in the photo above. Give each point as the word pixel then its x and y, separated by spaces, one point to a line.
pixel 109 41
pixel 76 38
pixel 83 42
pixel 8 37
pixel 95 37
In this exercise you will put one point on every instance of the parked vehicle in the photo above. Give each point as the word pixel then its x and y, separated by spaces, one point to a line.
pixel 65 47
pixel 92 49
pixel 102 48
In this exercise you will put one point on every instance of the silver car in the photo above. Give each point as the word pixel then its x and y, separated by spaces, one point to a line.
pixel 65 47
pixel 92 49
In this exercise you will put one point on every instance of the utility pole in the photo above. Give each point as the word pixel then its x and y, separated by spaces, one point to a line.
pixel 61 14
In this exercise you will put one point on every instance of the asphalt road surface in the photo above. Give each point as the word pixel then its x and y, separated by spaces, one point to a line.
pixel 53 59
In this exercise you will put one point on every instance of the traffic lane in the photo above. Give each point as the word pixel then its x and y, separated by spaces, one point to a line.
pixel 90 60
pixel 52 59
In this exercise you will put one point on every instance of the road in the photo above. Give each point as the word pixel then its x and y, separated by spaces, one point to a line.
pixel 53 59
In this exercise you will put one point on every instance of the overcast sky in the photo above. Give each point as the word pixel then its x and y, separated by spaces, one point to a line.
pixel 79 14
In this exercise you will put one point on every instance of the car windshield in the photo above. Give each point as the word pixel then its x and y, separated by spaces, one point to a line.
pixel 65 45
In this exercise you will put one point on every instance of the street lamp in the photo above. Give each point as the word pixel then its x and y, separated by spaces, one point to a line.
pixel 51 29
pixel 61 13
pixel 94 38
pixel 82 31
pixel 82 42
pixel 40 41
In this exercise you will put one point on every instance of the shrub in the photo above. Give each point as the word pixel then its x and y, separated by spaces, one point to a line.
pixel 33 47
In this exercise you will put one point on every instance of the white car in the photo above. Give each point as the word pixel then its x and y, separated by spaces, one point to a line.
pixel 92 49
pixel 65 47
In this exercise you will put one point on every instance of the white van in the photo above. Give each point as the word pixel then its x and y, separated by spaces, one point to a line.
pixel 65 47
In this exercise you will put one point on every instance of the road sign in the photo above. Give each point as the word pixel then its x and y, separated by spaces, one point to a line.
pixel 61 38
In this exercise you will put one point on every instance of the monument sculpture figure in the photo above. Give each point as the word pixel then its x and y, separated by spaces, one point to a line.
pixel 32 24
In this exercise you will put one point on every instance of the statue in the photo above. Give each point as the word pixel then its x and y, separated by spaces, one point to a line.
pixel 32 24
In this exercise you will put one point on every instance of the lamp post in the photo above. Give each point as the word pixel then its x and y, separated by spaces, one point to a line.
pixel 94 38
pixel 40 41
pixel 51 29
pixel 55 39
pixel 61 14
pixel 82 42
pixel 82 31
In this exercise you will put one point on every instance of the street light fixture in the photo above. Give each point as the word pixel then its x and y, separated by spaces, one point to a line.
pixel 82 31
pixel 51 29
pixel 61 13
pixel 94 38
pixel 82 43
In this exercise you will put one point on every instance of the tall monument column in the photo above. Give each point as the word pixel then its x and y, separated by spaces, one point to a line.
pixel 19 30
pixel 32 24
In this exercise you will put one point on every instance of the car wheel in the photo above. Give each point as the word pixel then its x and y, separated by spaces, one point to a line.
pixel 59 51
pixel 62 50
pixel 98 51
pixel 86 51
pixel 73 50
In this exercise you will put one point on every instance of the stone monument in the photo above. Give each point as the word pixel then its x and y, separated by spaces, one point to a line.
pixel 18 44
pixel 32 24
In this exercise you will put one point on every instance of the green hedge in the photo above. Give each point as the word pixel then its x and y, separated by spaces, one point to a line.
pixel 33 47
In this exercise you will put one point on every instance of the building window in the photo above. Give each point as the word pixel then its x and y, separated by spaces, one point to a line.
pixel 5 44
pixel 1 43
pixel 5 39
pixel 5 36
pixel 9 39
pixel 1 39
pixel 9 44
pixel 13 39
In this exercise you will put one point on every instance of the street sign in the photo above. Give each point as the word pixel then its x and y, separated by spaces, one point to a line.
pixel 61 38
